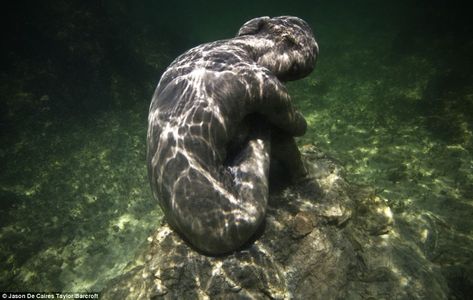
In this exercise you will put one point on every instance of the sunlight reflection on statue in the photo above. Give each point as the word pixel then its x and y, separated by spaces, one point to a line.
pixel 219 116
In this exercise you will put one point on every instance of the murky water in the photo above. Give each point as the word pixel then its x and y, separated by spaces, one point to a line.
pixel 391 99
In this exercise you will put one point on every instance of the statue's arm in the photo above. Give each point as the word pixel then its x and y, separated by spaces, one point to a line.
pixel 276 104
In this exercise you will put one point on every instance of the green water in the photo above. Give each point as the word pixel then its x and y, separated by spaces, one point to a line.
pixel 391 99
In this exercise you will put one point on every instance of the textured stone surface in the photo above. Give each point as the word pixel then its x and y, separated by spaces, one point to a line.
pixel 323 239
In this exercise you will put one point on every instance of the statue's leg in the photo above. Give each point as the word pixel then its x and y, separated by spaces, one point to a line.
pixel 286 154
pixel 219 208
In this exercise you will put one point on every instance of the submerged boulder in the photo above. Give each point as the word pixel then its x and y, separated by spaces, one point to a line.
pixel 323 239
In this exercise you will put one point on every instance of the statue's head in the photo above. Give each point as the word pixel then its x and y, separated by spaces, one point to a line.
pixel 290 49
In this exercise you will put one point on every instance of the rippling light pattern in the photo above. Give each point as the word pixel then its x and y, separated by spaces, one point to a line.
pixel 216 113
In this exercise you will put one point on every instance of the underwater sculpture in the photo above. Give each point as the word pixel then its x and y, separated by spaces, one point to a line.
pixel 219 115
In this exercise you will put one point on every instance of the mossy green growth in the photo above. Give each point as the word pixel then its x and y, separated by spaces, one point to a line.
pixel 78 203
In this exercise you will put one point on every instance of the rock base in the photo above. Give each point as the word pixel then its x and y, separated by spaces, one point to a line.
pixel 323 239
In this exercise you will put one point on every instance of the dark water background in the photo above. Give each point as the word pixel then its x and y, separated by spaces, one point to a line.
pixel 391 99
